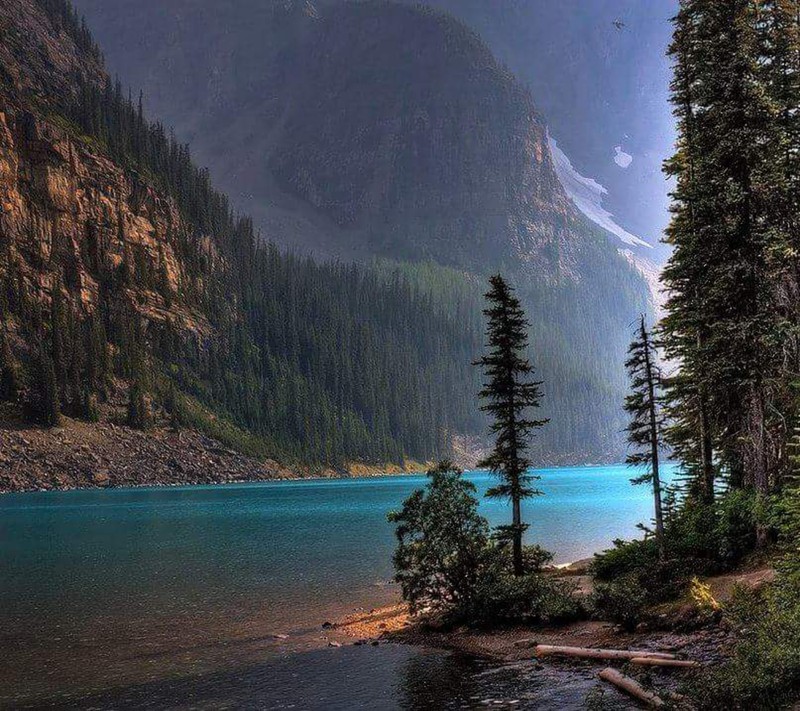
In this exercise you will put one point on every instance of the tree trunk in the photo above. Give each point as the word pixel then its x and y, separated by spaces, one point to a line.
pixel 706 452
pixel 517 539
pixel 651 391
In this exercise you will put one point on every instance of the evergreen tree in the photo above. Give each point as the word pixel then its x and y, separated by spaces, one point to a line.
pixel 644 430
pixel 724 326
pixel 9 373
pixel 43 398
pixel 510 394
pixel 139 414
pixel 687 322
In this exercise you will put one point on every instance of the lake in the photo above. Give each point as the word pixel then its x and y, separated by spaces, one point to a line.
pixel 171 597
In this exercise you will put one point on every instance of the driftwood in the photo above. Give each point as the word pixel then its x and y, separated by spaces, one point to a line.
pixel 656 662
pixel 543 650
pixel 630 687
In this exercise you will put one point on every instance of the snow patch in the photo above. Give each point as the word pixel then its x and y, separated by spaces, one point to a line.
pixel 587 194
pixel 622 159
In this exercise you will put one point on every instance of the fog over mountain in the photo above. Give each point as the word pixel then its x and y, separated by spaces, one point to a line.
pixel 602 91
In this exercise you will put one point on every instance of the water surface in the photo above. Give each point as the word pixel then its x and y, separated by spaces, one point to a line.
pixel 108 591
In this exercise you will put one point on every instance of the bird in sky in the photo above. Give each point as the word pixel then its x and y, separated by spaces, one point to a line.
pixel 619 24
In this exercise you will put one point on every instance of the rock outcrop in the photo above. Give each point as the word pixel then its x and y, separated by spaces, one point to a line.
pixel 69 215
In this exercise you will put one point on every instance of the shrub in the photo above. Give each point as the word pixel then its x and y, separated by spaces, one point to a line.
pixel 764 669
pixel 447 563
pixel 630 578
pixel 764 672
pixel 624 558
pixel 622 601
pixel 503 598
pixel 442 542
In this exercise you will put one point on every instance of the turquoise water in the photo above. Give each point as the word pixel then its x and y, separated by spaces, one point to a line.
pixel 107 588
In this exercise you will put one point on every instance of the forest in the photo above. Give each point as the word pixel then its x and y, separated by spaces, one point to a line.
pixel 316 362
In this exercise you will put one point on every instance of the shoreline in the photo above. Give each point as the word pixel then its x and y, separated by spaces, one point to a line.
pixel 78 455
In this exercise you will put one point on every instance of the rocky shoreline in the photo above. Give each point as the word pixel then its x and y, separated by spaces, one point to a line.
pixel 80 455
pixel 680 628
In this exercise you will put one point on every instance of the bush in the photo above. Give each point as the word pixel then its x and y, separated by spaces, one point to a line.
pixel 764 669
pixel 622 601
pixel 624 558
pixel 503 598
pixel 447 563
pixel 442 542
pixel 630 578
pixel 764 672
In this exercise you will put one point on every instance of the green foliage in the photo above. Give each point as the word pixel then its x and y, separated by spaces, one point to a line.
pixel 531 598
pixel 510 395
pixel 624 558
pixel 764 672
pixel 42 404
pixel 447 563
pixel 622 601
pixel 644 429
pixel 442 543
pixel 700 539
pixel 631 577
pixel 10 384
pixel 65 17
pixel 140 415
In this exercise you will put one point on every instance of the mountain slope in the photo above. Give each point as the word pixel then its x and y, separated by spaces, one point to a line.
pixel 363 130
pixel 122 271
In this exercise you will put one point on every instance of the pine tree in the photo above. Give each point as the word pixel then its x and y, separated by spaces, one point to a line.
pixel 9 373
pixel 139 414
pixel 43 397
pixel 510 394
pixel 644 430
pixel 723 326
pixel 687 323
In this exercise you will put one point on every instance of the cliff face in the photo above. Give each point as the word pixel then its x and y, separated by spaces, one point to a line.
pixel 69 217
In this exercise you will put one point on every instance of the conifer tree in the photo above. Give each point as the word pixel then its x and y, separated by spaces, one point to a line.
pixel 644 430
pixel 686 325
pixel 9 374
pixel 43 397
pixel 139 414
pixel 511 395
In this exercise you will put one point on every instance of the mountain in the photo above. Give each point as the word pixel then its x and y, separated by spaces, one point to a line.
pixel 370 130
pixel 128 287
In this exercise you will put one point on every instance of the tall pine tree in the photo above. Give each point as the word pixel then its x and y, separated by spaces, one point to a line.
pixel 644 430
pixel 511 394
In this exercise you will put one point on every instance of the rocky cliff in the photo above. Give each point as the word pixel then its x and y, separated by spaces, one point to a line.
pixel 403 129
pixel 70 218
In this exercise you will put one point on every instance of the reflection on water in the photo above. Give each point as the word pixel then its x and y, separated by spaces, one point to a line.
pixel 387 677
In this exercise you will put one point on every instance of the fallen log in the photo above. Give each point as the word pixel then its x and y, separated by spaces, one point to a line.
pixel 543 650
pixel 656 662
pixel 630 687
